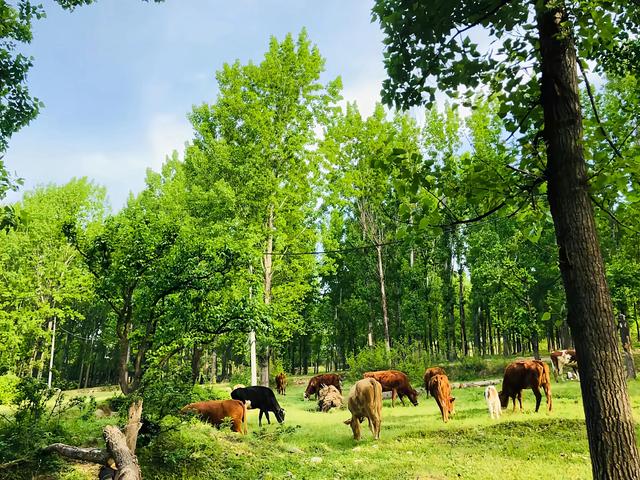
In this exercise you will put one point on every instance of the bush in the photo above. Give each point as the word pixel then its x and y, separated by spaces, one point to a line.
pixel 165 391
pixel 409 359
pixel 8 384
pixel 241 374
pixel 371 358
pixel 208 392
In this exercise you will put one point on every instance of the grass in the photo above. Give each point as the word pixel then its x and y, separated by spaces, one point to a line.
pixel 414 443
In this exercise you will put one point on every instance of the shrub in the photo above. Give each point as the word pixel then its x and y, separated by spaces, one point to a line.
pixel 409 359
pixel 241 374
pixel 8 384
pixel 208 392
pixel 371 358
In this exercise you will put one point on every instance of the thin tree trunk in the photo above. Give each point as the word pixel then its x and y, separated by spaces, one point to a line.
pixel 383 299
pixel 53 351
pixel 610 426
pixel 267 264
pixel 463 328
pixel 214 367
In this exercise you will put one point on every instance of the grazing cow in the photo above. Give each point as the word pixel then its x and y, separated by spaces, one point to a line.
pixel 395 382
pixel 317 382
pixel 281 383
pixel 261 398
pixel 428 374
pixel 215 411
pixel 440 389
pixel 365 401
pixel 328 398
pixel 493 401
pixel 523 374
pixel 562 358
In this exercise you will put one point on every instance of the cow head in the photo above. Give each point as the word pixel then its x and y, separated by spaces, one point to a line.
pixel 280 415
pixel 413 397
pixel 451 405
pixel 504 399
pixel 311 388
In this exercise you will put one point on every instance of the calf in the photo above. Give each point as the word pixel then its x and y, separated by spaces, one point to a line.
pixel 430 373
pixel 215 411
pixel 317 382
pixel 440 389
pixel 523 374
pixel 365 401
pixel 328 398
pixel 395 382
pixel 562 358
pixel 281 383
pixel 493 401
pixel 261 398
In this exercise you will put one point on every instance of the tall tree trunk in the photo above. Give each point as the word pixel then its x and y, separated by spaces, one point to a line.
pixel 610 427
pixel 123 363
pixel 463 328
pixel 53 351
pixel 267 265
pixel 196 360
pixel 383 299
pixel 214 367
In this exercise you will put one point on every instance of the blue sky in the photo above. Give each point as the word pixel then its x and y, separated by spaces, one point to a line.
pixel 119 77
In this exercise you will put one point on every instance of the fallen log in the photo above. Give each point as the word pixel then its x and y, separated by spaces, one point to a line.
pixel 120 449
pixel 479 383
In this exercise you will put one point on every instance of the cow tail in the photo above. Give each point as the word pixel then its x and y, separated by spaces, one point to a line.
pixel 244 417
pixel 375 392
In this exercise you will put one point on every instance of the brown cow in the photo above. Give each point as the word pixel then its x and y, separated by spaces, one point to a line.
pixel 365 401
pixel 395 382
pixel 215 411
pixel 325 379
pixel 281 383
pixel 440 389
pixel 429 373
pixel 523 374
pixel 562 358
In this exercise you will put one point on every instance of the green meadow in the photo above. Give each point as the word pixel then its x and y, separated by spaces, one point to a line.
pixel 414 443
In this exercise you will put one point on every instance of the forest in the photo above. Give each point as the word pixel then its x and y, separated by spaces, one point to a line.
pixel 325 240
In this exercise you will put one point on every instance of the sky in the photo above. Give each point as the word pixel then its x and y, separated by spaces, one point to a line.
pixel 119 77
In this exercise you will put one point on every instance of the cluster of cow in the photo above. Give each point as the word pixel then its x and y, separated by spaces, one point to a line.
pixel 365 396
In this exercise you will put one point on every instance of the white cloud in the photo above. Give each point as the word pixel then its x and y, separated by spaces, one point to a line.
pixel 166 133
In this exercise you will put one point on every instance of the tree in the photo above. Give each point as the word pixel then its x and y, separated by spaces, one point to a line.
pixel 43 281
pixel 533 67
pixel 255 144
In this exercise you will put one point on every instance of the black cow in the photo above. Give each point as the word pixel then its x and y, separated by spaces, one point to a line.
pixel 261 398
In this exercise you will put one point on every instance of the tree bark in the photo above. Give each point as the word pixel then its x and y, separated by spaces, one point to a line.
pixel 383 299
pixel 133 425
pixel 53 351
pixel 267 265
pixel 463 327
pixel 610 427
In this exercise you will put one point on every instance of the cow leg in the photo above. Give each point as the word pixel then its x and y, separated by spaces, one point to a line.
pixel 401 397
pixel 547 393
pixel 520 399
pixel 371 426
pixel 514 402
pixel 260 419
pixel 536 392
pixel 393 396
pixel 266 412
